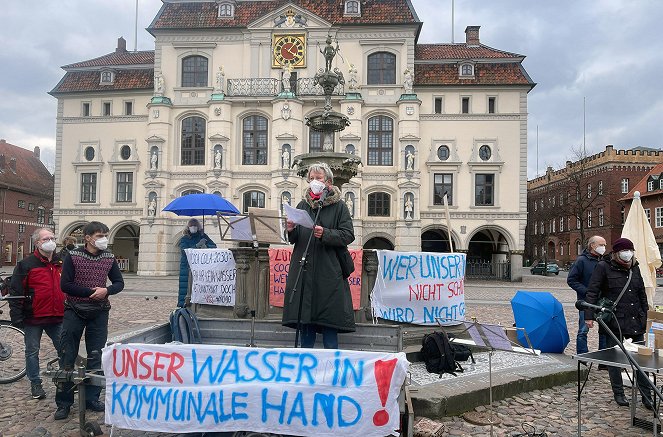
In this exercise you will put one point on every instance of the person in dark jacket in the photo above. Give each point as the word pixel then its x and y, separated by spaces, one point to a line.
pixel 630 315
pixel 38 278
pixel 326 303
pixel 85 274
pixel 578 278
pixel 193 237
pixel 68 244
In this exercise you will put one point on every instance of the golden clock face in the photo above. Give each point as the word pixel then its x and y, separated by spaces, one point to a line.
pixel 289 50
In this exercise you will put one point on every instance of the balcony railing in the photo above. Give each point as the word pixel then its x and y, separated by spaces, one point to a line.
pixel 260 87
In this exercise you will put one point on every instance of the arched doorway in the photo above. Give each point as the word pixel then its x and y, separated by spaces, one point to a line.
pixel 551 251
pixel 378 243
pixel 488 256
pixel 435 240
pixel 125 247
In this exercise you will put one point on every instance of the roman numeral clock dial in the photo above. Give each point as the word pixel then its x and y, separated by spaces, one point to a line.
pixel 289 50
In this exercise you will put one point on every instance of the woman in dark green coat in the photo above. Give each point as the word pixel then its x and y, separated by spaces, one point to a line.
pixel 326 303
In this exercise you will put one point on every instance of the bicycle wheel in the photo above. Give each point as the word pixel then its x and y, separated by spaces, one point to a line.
pixel 12 354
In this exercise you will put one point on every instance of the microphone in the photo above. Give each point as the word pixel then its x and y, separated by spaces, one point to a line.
pixel 323 196
pixel 582 305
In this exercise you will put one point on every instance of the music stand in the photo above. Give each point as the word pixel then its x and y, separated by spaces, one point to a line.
pixel 259 226
pixel 490 337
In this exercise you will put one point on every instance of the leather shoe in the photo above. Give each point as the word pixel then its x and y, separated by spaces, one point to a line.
pixel 646 402
pixel 95 405
pixel 61 413
pixel 621 400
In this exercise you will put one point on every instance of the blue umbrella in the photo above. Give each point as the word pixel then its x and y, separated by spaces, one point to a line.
pixel 542 317
pixel 201 204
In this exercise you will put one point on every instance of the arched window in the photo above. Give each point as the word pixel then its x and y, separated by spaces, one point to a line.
pixel 194 71
pixel 254 140
pixel 381 68
pixel 193 141
pixel 379 204
pixel 187 192
pixel 253 199
pixel 380 140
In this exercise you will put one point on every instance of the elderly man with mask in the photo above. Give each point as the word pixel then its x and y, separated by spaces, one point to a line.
pixel 578 279
pixel 37 277
pixel 617 278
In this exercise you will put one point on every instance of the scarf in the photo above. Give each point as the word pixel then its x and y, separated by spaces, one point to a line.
pixel 314 201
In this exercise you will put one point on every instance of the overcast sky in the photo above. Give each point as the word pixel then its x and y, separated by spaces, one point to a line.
pixel 608 52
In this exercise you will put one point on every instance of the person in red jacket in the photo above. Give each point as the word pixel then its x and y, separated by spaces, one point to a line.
pixel 37 277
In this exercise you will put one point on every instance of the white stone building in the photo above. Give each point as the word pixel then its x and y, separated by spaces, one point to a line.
pixel 219 107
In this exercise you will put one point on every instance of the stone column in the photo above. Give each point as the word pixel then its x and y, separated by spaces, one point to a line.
pixel 368 277
pixel 516 260
pixel 262 307
pixel 243 260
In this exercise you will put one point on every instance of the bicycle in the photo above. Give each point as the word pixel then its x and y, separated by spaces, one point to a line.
pixel 12 343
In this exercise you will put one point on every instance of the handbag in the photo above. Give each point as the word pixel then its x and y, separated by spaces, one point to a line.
pixel 345 260
pixel 87 310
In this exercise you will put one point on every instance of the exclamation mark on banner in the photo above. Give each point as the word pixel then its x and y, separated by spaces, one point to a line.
pixel 384 370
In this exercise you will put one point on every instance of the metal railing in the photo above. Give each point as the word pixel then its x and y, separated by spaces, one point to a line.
pixel 500 270
pixel 307 86
pixel 256 87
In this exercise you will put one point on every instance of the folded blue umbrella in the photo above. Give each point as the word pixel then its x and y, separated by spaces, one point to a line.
pixel 542 317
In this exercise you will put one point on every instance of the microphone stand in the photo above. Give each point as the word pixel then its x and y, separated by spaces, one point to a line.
pixel 302 263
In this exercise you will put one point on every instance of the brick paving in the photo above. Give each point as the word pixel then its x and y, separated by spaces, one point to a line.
pixel 553 410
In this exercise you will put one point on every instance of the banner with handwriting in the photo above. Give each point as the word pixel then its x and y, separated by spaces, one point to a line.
pixel 213 273
pixel 420 287
pixel 188 388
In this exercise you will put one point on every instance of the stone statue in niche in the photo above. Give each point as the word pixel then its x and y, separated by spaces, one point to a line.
pixel 285 157
pixel 154 160
pixel 217 159
pixel 287 73
pixel 408 80
pixel 152 207
pixel 220 79
pixel 351 205
pixel 409 158
pixel 353 83
pixel 408 207
pixel 158 84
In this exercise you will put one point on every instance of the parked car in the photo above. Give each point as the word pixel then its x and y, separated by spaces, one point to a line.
pixel 553 268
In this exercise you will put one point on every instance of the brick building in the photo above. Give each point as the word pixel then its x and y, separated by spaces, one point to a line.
pixel 26 200
pixel 651 196
pixel 569 205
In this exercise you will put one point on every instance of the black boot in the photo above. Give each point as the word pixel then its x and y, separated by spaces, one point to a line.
pixel 647 402
pixel 621 400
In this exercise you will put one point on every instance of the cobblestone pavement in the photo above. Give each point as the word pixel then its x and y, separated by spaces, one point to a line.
pixel 553 410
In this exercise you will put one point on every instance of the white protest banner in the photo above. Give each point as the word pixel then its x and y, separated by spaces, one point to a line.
pixel 419 287
pixel 213 273
pixel 201 388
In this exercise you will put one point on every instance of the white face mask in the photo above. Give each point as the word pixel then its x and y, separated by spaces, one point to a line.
pixel 600 250
pixel 316 186
pixel 48 246
pixel 626 255
pixel 193 229
pixel 101 243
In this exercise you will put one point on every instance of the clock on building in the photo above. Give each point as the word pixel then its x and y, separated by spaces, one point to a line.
pixel 289 50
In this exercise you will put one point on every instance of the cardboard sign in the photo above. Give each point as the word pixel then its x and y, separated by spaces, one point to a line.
pixel 213 273
pixel 181 388
pixel 279 264
pixel 420 287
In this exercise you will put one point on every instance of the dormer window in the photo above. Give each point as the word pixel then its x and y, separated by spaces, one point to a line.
pixel 226 10
pixel 660 184
pixel 466 70
pixel 650 186
pixel 352 7
pixel 106 77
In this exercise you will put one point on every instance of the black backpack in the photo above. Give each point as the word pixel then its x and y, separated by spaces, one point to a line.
pixel 441 356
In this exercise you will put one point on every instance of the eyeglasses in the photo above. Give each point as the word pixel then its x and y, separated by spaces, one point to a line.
pixel 47 239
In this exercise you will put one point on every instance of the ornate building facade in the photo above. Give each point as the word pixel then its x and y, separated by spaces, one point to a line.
pixel 219 106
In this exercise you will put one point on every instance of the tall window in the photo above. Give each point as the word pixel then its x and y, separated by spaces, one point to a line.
pixel 600 190
pixel 589 191
pixel 553 226
pixel 128 108
pixel 648 214
pixel 88 187
pixel 536 228
pixel 125 185
pixel 491 104
pixel 381 68
pixel 85 111
pixel 650 186
pixel 625 185
pixel 254 140
pixel 600 216
pixel 438 105
pixel 379 204
pixel 622 214
pixel 465 105
pixel 41 215
pixel 193 141
pixel 380 140
pixel 316 140
pixel 106 109
pixel 659 217
pixel 483 189
pixel 443 184
pixel 194 71
pixel 561 224
pixel 589 219
pixel 253 199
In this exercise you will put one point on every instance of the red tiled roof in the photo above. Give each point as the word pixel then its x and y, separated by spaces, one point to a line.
pixel 200 15
pixel 484 74
pixel 77 81
pixel 429 52
pixel 121 57
pixel 31 175
pixel 641 186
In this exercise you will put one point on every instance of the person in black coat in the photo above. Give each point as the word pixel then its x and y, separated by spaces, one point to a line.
pixel 326 303
pixel 630 315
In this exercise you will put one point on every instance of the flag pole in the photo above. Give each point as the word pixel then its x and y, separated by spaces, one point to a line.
pixel 448 216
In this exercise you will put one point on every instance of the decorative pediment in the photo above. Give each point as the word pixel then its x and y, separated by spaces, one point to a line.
pixel 409 185
pixel 286 136
pixel 155 139
pixel 409 137
pixel 286 184
pixel 289 16
pixel 219 138
pixel 349 137
pixel 153 185
pixel 217 185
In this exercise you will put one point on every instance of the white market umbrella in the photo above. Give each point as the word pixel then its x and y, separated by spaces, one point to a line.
pixel 638 229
